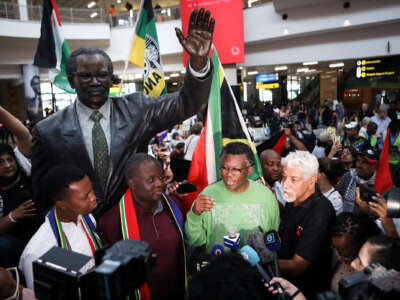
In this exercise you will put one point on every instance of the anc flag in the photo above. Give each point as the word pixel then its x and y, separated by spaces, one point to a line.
pixel 52 51
pixel 224 124
pixel 145 51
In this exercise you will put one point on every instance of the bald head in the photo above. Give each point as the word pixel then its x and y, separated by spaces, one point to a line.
pixel 268 153
pixel 271 165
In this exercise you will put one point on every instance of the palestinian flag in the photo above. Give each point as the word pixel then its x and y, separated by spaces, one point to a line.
pixel 383 180
pixel 275 142
pixel 52 51
pixel 145 51
pixel 224 124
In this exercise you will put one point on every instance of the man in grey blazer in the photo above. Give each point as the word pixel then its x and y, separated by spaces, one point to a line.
pixel 98 134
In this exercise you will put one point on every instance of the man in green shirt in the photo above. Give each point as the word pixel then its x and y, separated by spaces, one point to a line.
pixel 234 201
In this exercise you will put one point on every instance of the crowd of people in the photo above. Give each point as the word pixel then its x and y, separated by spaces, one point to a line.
pixel 85 181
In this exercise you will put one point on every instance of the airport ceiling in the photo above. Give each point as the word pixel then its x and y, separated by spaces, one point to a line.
pixel 119 4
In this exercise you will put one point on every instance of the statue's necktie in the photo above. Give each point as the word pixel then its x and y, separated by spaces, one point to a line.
pixel 100 149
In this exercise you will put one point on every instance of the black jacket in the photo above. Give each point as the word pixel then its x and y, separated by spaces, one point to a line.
pixel 135 117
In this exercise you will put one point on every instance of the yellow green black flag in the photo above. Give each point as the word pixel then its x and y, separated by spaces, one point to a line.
pixel 145 51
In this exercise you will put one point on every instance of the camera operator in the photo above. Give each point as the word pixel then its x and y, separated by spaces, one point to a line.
pixel 348 233
pixel 379 249
pixel 366 166
pixel 305 255
pixel 377 206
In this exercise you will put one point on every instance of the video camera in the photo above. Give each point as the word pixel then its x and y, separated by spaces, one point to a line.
pixel 119 270
pixel 374 282
pixel 366 192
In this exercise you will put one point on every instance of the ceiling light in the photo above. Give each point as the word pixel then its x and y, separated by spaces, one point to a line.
pixel 91 4
pixel 346 23
pixel 285 32
pixel 281 68
pixel 166 77
pixel 174 83
pixel 183 71
pixel 138 75
pixel 310 63
pixel 93 15
pixel 302 70
pixel 252 73
pixel 336 65
pixel 119 1
pixel 174 75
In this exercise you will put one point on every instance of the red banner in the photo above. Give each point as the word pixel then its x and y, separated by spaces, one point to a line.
pixel 228 33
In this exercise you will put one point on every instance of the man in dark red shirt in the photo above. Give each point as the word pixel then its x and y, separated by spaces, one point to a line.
pixel 146 213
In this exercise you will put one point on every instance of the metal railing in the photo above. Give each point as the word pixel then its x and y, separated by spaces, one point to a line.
pixel 14 11
pixel 67 15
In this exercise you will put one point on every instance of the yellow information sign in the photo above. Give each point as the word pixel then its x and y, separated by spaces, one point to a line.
pixel 267 86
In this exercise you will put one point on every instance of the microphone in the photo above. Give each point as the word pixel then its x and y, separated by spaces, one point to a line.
pixel 273 243
pixel 249 254
pixel 203 260
pixel 217 250
pixel 256 241
pixel 232 240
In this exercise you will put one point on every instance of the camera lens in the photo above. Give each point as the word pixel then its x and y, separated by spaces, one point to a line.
pixel 393 203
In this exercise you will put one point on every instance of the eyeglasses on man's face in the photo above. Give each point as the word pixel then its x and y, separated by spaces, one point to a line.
pixel 233 171
pixel 101 76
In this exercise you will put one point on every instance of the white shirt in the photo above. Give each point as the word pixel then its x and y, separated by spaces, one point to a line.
pixel 43 240
pixel 382 124
pixel 319 152
pixel 336 200
pixel 24 162
pixel 87 123
pixel 190 146
pixel 278 189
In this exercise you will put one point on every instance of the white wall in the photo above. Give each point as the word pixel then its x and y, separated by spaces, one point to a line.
pixel 78 31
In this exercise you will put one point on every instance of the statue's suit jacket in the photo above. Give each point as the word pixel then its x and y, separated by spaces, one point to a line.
pixel 58 139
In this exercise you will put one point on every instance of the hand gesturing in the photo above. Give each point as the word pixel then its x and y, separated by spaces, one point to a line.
pixel 198 41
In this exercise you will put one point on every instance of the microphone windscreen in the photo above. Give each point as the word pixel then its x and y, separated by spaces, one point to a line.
pixel 256 240
pixel 250 255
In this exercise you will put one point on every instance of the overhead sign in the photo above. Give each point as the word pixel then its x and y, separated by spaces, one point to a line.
pixel 267 77
pixel 267 86
pixel 228 35
pixel 379 66
pixel 114 90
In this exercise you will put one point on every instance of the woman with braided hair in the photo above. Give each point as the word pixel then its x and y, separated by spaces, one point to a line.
pixel 349 232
